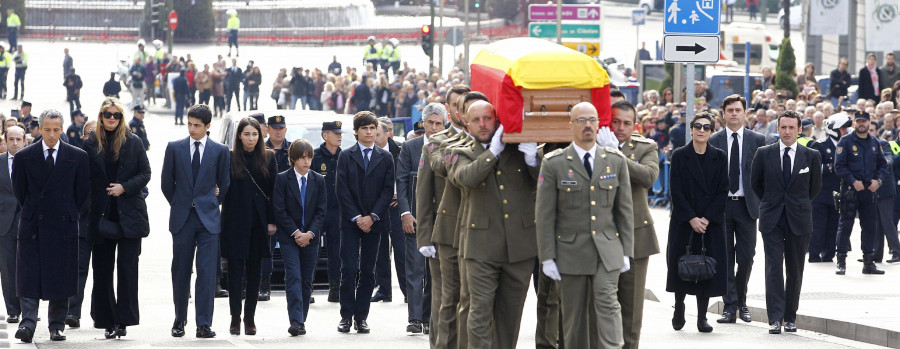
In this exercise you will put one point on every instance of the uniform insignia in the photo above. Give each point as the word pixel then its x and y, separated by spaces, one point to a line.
pixel 337 123
pixel 568 183
pixel 607 169
pixel 611 175
pixel 421 162
pixel 72 134
pixel 873 148
pixel 453 160
pixel 828 151
pixel 431 147
pixel 854 148
pixel 571 173
pixel 540 179
pixel 632 156
pixel 323 167
pixel 134 129
pixel 840 149
pixel 278 119
pixel 447 159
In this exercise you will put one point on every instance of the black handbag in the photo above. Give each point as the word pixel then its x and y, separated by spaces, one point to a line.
pixel 696 267
pixel 108 229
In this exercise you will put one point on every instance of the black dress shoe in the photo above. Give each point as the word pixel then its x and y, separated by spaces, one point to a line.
pixel 56 335
pixel 178 328
pixel 220 292
pixel 678 318
pixel 894 259
pixel 110 333
pixel 264 296
pixel 121 331
pixel 205 332
pixel 12 319
pixel 24 334
pixel 72 321
pixel 414 326
pixel 344 326
pixel 361 327
pixel 744 314
pixel 380 297
pixel 425 328
pixel 312 300
pixel 405 300
pixel 775 327
pixel 790 327
pixel 297 329
pixel 727 318
pixel 703 326
pixel 814 259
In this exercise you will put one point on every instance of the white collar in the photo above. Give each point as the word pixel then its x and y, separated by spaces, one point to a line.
pixel 300 175
pixel 45 147
pixel 739 132
pixel 581 152
pixel 202 141
pixel 781 147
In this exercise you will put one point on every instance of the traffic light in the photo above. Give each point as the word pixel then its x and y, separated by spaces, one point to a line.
pixel 427 39
pixel 154 13
pixel 478 4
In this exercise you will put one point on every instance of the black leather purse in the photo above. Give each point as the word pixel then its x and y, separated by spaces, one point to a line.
pixel 108 229
pixel 696 267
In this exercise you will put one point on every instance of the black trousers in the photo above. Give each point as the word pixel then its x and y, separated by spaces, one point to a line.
pixel 116 306
pixel 84 266
pixel 866 211
pixel 740 247
pixel 785 253
pixel 8 271
pixel 886 229
pixel 397 243
pixel 19 83
pixel 825 225
pixel 333 248
pixel 204 97
pixel 238 270
pixel 56 312
pixel 359 250
pixel 232 92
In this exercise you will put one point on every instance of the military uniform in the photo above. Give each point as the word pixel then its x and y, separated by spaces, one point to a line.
pixel 588 253
pixel 643 168
pixel 500 244
pixel 462 323
pixel 325 164
pixel 859 159
pixel 825 215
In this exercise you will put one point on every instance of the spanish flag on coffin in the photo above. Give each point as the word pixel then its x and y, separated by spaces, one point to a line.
pixel 502 69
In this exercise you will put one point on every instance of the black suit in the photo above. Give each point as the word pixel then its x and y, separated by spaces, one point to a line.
pixel 233 78
pixel 785 222
pixel 741 213
pixel 392 237
pixel 418 284
pixel 866 88
pixel 9 226
pixel 362 190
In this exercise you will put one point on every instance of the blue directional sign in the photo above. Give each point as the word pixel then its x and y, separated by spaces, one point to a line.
pixel 638 17
pixel 694 17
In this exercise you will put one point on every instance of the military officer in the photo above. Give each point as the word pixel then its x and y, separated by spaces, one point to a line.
pixel 861 165
pixel 430 191
pixel 137 125
pixel 643 168
pixel 586 230
pixel 75 129
pixel 324 163
pixel 276 129
pixel 500 244
pixel 825 215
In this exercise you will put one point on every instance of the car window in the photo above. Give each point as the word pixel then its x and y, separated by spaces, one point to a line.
pixel 313 134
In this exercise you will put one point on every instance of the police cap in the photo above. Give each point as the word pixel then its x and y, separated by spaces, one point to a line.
pixel 276 121
pixel 419 127
pixel 806 123
pixel 333 126
pixel 138 109
pixel 861 115
pixel 259 118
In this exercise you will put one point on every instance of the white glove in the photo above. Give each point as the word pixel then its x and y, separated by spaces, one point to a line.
pixel 530 151
pixel 549 269
pixel 605 138
pixel 497 144
pixel 627 266
pixel 428 251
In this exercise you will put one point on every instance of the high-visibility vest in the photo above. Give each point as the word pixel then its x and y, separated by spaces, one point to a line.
pixel 395 55
pixel 5 60
pixel 803 140
pixel 895 147
pixel 13 21
pixel 23 60
pixel 386 52
pixel 372 52
pixel 234 23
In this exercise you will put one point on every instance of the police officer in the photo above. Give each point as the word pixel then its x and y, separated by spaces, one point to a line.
pixel 6 62
pixel 21 59
pixel 586 186
pixel 75 129
pixel 276 129
pixel 325 163
pixel 805 136
pixel 895 153
pixel 137 125
pixel 825 215
pixel 372 54
pixel 234 23
pixel 387 50
pixel 862 168
pixel 886 228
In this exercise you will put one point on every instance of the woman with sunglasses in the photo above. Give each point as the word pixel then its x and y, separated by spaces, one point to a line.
pixel 699 185
pixel 118 218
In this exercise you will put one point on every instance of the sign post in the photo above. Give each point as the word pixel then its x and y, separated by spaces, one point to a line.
pixel 691 30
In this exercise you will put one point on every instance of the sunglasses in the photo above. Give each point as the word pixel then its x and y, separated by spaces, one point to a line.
pixel 698 126
pixel 116 115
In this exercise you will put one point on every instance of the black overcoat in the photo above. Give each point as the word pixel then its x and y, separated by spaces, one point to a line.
pixel 238 208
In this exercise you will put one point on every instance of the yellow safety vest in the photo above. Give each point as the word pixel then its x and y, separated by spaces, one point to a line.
pixel 234 23
pixel 23 60
pixel 141 54
pixel 386 52
pixel 372 52
pixel 5 60
pixel 395 55
pixel 803 140
pixel 895 147
pixel 13 21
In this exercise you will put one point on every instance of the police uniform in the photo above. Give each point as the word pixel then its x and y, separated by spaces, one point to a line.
pixel 21 61
pixel 74 132
pixel 586 226
pixel 137 127
pixel 643 168
pixel 895 154
pixel 372 53
pixel 886 228
pixel 859 159
pixel 282 163
pixel 825 215
pixel 325 163
pixel 6 62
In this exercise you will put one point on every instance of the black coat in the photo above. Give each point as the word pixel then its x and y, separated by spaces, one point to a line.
pixel 362 192
pixel 289 214
pixel 133 174
pixel 776 196
pixel 47 255
pixel 698 191
pixel 831 182
pixel 242 202
pixel 866 90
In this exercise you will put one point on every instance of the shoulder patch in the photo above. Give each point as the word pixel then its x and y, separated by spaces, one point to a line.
pixel 642 140
pixel 554 153
pixel 613 151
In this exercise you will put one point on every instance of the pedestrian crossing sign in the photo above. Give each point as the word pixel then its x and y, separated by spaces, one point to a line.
pixel 693 17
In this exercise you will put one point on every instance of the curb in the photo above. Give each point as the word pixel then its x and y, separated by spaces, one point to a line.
pixel 831 327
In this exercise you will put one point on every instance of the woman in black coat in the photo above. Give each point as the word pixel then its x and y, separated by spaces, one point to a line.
pixel 247 220
pixel 118 218
pixel 699 182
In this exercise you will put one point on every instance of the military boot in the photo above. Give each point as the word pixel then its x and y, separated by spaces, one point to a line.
pixel 841 264
pixel 869 265
pixel 334 291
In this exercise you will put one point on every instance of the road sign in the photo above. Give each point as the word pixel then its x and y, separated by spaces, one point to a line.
pixel 695 17
pixel 580 31
pixel 638 17
pixel 588 48
pixel 577 12
pixel 691 49
pixel 454 36
pixel 173 20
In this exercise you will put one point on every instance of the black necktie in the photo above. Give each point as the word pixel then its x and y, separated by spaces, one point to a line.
pixel 734 166
pixel 786 166
pixel 50 162
pixel 195 160
pixel 366 158
pixel 587 164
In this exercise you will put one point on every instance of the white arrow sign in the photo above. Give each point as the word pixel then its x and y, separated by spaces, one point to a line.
pixel 536 30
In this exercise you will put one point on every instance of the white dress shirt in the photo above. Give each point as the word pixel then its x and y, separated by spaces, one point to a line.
pixel 10 161
pixel 300 188
pixel 55 151
pixel 581 153
pixel 740 137
pixel 202 147
pixel 792 154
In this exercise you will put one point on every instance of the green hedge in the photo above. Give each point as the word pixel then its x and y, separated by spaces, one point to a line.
pixel 785 68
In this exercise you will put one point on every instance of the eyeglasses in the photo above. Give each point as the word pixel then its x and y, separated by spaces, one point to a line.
pixel 698 126
pixel 116 115
pixel 582 121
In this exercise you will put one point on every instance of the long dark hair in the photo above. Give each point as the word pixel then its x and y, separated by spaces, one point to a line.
pixel 260 161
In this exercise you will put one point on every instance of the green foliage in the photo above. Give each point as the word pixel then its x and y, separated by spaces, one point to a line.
pixel 785 68
pixel 195 22
pixel 670 76
pixel 19 7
